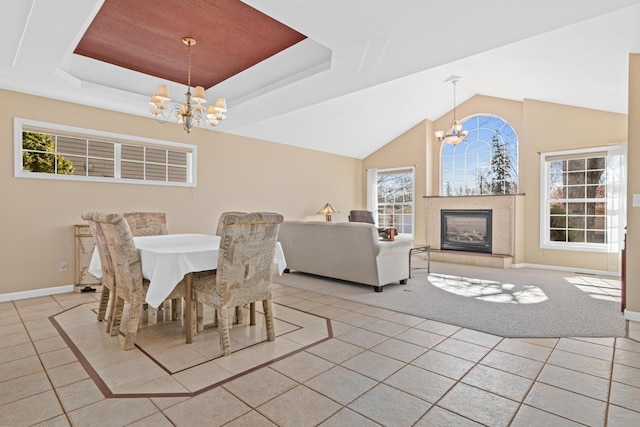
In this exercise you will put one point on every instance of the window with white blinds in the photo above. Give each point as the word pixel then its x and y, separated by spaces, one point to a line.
pixel 52 151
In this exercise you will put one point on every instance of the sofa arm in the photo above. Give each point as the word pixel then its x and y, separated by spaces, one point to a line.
pixel 393 248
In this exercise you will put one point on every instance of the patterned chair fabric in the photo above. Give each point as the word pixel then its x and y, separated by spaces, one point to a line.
pixel 108 277
pixel 147 223
pixel 386 233
pixel 131 287
pixel 152 224
pixel 223 215
pixel 245 265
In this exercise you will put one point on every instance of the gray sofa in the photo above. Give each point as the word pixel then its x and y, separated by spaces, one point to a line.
pixel 344 250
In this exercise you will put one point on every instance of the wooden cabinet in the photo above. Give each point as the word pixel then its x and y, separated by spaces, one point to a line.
pixel 85 243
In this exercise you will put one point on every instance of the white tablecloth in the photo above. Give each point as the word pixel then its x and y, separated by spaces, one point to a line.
pixel 166 259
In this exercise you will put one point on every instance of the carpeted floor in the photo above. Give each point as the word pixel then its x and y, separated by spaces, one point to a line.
pixel 511 303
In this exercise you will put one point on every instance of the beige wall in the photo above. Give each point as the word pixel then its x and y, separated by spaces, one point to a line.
pixel 553 127
pixel 234 173
pixel 541 127
pixel 633 187
pixel 408 149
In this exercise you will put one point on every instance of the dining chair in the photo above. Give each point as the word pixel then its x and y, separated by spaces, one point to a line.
pixel 152 224
pixel 244 271
pixel 238 314
pixel 107 281
pixel 131 287
pixel 147 223
pixel 223 215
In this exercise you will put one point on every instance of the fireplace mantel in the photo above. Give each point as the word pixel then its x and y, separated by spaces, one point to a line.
pixel 507 220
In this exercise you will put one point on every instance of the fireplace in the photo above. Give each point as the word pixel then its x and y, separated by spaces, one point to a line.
pixel 466 230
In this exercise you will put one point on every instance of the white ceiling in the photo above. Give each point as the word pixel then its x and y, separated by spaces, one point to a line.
pixel 369 70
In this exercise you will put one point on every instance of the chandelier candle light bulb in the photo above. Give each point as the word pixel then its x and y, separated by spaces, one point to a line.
pixel 188 114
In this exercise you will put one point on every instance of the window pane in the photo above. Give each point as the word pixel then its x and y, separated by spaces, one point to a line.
pixel 557 221
pixel 576 192
pixel 102 168
pixel 576 236
pixel 177 174
pixel 178 158
pixel 132 170
pixel 156 172
pixel 156 156
pixel 557 235
pixel 101 149
pixel 72 146
pixel 131 152
pixel 576 165
pixel 576 222
pixel 596 237
pixel 576 208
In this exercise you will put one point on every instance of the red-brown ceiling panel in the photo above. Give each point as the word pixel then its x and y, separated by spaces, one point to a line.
pixel 146 36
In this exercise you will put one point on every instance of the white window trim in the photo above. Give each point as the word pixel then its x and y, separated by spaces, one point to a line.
pixel 19 124
pixel 374 196
pixel 616 215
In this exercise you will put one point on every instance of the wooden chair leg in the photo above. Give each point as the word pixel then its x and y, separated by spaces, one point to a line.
pixel 176 309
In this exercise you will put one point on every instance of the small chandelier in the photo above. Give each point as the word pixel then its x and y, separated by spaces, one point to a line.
pixel 455 134
pixel 192 113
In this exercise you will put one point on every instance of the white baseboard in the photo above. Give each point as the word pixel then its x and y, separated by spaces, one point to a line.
pixel 567 269
pixel 631 315
pixel 36 293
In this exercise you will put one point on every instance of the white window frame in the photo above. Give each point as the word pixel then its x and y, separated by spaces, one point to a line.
pixel 21 125
pixel 372 196
pixel 616 199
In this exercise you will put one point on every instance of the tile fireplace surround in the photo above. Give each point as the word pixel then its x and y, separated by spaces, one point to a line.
pixel 507 224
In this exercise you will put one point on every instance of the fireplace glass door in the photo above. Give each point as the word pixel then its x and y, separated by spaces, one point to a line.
pixel 466 230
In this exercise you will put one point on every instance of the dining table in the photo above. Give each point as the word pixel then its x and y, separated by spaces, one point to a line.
pixel 168 259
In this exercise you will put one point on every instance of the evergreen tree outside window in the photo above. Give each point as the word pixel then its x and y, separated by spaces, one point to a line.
pixel 39 155
pixel 53 151
pixel 485 163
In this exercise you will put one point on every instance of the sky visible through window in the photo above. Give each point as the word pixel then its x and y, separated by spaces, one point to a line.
pixel 486 163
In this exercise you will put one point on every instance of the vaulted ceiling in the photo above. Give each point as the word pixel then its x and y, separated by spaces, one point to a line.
pixel 343 77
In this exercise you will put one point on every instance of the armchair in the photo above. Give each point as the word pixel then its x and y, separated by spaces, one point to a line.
pixel 385 233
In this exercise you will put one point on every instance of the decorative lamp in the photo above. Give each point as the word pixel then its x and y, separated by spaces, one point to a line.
pixel 327 210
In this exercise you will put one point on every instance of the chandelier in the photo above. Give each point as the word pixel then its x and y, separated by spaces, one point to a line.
pixel 455 134
pixel 192 113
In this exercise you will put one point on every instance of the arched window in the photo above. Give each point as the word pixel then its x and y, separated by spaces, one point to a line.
pixel 486 163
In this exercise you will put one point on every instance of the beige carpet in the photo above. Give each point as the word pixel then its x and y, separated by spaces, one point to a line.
pixel 510 303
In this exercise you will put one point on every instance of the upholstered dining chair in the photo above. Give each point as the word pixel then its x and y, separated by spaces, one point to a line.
pixel 131 287
pixel 107 281
pixel 223 215
pixel 385 233
pixel 147 223
pixel 238 315
pixel 152 224
pixel 244 271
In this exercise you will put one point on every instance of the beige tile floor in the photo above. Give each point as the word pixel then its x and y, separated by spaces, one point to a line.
pixel 367 366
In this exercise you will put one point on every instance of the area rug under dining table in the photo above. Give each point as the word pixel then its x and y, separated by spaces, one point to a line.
pixel 513 303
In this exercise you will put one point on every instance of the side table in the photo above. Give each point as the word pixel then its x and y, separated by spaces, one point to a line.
pixel 420 248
